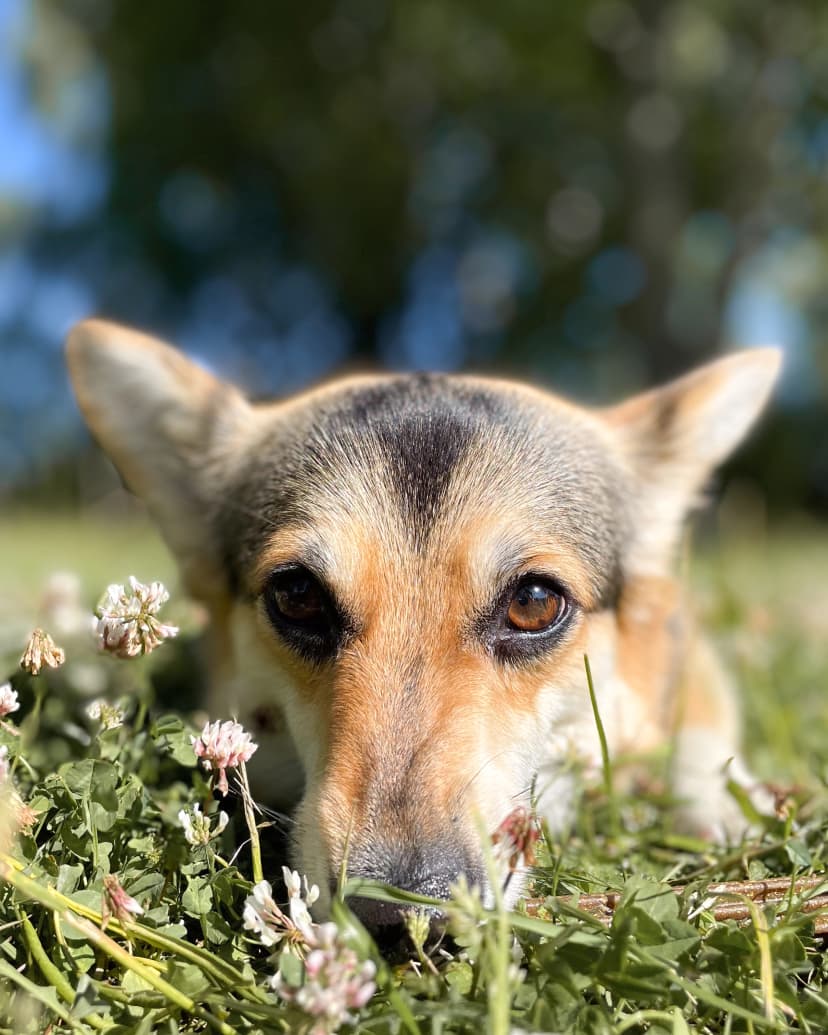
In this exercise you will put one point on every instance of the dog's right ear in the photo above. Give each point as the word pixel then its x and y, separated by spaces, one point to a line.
pixel 674 437
pixel 171 428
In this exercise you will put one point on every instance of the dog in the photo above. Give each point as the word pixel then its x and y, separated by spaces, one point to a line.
pixel 404 574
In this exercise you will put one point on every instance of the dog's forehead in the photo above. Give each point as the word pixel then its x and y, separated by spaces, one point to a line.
pixel 414 456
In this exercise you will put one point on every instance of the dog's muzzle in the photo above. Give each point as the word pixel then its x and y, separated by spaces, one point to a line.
pixel 427 870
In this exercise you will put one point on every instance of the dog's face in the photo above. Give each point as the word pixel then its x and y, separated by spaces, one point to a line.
pixel 419 581
pixel 411 570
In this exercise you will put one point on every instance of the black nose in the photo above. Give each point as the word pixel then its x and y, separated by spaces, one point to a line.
pixel 387 918
pixel 427 870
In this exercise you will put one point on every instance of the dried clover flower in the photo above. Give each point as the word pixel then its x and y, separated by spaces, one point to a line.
pixel 222 746
pixel 516 837
pixel 127 619
pixel 115 901
pixel 41 650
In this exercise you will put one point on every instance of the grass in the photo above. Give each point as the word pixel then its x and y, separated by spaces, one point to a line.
pixel 96 545
pixel 108 801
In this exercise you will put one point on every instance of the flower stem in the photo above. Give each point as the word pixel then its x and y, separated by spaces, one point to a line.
pixel 40 994
pixel 250 818
pixel 53 975
pixel 223 972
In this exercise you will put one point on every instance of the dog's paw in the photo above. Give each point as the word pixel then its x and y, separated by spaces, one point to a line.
pixel 709 810
pixel 721 803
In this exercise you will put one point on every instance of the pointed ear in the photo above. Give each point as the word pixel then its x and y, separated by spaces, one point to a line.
pixel 674 437
pixel 170 428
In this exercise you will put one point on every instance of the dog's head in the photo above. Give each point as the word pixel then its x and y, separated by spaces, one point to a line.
pixel 411 569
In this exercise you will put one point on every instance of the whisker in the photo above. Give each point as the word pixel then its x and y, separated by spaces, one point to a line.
pixel 498 754
pixel 524 792
pixel 281 820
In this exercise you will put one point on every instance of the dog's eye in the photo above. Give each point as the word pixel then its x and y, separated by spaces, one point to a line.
pixel 297 597
pixel 534 607
pixel 304 613
pixel 528 619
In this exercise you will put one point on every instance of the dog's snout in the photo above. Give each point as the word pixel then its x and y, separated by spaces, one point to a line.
pixel 427 870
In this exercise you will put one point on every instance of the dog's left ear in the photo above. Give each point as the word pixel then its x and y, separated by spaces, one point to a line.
pixel 171 428
pixel 674 437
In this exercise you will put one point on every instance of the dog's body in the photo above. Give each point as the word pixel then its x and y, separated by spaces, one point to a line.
pixel 405 573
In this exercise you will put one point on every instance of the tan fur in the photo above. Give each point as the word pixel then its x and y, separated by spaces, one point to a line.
pixel 651 641
pixel 414 729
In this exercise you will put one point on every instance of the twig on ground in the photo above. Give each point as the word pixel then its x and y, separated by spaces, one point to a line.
pixel 777 889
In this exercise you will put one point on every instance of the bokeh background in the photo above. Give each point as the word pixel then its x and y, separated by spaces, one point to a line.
pixel 593 195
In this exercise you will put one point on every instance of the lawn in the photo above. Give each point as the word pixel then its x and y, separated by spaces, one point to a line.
pixel 650 958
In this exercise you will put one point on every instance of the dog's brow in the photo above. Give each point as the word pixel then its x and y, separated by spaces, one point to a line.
pixel 293 545
pixel 565 569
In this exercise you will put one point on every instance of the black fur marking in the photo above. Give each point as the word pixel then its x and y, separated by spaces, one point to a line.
pixel 422 426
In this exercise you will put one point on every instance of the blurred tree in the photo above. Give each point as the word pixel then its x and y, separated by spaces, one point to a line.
pixel 584 191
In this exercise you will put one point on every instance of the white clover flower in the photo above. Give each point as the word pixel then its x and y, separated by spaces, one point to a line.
pixel 336 983
pixel 197 826
pixel 264 917
pixel 4 763
pixel 298 904
pixel 222 746
pixel 8 700
pixel 41 650
pixel 115 901
pixel 127 623
pixel 110 716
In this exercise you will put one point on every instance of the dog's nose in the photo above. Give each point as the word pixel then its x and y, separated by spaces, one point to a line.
pixel 384 917
pixel 424 870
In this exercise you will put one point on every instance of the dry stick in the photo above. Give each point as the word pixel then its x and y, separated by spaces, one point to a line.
pixel 776 889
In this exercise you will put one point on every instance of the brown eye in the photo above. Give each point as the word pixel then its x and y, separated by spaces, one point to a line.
pixel 529 619
pixel 304 613
pixel 534 607
pixel 298 597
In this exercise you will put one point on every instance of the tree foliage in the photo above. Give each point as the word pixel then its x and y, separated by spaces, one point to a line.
pixel 598 193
